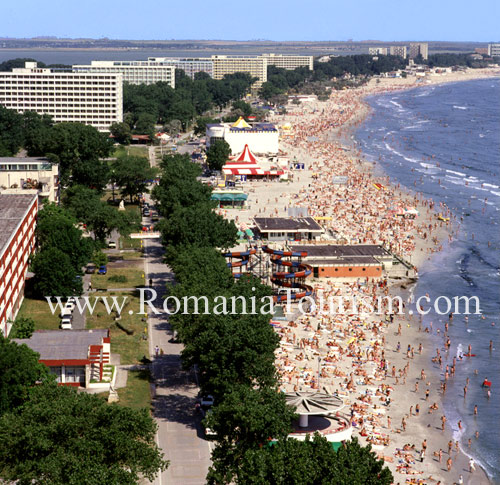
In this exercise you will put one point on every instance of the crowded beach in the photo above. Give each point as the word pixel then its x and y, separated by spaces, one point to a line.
pixel 379 364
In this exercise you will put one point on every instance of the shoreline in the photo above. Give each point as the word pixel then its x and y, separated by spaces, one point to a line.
pixel 291 359
pixel 430 338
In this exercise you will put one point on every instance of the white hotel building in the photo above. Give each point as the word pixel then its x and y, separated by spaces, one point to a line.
pixel 80 97
pixel 134 72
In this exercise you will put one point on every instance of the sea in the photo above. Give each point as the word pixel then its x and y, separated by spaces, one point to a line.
pixel 443 141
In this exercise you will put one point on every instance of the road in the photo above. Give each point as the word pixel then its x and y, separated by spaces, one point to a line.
pixel 180 435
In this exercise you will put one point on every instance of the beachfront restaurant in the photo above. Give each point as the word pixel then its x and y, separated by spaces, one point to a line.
pixel 288 228
pixel 347 261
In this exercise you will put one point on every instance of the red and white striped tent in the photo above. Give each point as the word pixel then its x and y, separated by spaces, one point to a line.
pixel 246 163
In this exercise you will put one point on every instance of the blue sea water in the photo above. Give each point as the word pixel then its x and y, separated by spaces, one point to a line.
pixel 444 142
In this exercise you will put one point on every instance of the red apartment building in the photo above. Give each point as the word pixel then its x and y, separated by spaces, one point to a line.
pixel 17 241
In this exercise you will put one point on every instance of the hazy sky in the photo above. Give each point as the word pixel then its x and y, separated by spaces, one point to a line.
pixel 387 20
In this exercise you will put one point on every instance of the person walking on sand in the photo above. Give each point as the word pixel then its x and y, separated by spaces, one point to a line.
pixel 450 447
pixel 472 465
pixel 449 462
pixel 440 455
pixel 443 422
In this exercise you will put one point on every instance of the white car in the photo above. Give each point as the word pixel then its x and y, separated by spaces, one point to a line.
pixel 112 245
pixel 66 323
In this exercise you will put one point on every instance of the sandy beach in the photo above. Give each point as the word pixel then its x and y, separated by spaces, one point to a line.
pixel 381 365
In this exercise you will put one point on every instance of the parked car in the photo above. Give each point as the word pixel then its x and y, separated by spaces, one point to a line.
pixel 111 245
pixel 145 212
pixel 66 312
pixel 66 323
pixel 90 269
pixel 103 269
pixel 207 401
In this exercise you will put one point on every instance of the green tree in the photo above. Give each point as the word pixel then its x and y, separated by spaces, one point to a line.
pixel 244 107
pixel 173 127
pixel 145 124
pixel 62 437
pixel 56 228
pixel 23 328
pixel 36 129
pixel 200 127
pixel 218 154
pixel 19 371
pixel 309 462
pixel 178 185
pixel 79 149
pixel 99 259
pixel 121 132
pixel 100 218
pixel 198 226
pixel 11 132
pixel 132 175
pixel 55 274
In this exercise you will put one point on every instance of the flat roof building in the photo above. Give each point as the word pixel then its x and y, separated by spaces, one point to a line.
pixel 77 358
pixel 419 49
pixel 398 50
pixel 260 137
pixel 288 228
pixel 17 242
pixel 289 62
pixel 28 173
pixel 377 51
pixel 190 66
pixel 255 66
pixel 90 98
pixel 493 50
pixel 133 72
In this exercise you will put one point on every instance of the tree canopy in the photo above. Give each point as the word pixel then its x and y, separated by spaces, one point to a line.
pixel 218 154
pixel 132 175
pixel 79 150
pixel 19 371
pixel 61 437
pixel 309 462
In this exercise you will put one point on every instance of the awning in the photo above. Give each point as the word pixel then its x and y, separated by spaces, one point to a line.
pixel 228 197
pixel 232 170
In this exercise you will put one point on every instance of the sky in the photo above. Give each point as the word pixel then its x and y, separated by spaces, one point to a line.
pixel 386 20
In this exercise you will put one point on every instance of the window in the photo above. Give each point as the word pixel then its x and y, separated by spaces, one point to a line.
pixel 75 374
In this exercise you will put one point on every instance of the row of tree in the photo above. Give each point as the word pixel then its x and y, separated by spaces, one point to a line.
pixel 280 81
pixel 53 434
pixel 234 352
pixel 146 105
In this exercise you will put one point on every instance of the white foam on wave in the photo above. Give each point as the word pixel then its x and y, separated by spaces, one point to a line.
pixel 460 107
pixel 456 173
pixel 494 193
pixel 393 150
pixel 423 121
pixel 427 165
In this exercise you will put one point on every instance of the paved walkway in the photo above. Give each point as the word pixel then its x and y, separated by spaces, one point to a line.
pixel 180 434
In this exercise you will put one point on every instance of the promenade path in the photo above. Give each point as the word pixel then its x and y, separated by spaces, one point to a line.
pixel 180 435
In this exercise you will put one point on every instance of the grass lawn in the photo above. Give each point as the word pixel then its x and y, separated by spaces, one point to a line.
pixel 128 243
pixel 137 394
pixel 132 150
pixel 40 312
pixel 128 340
pixel 132 270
